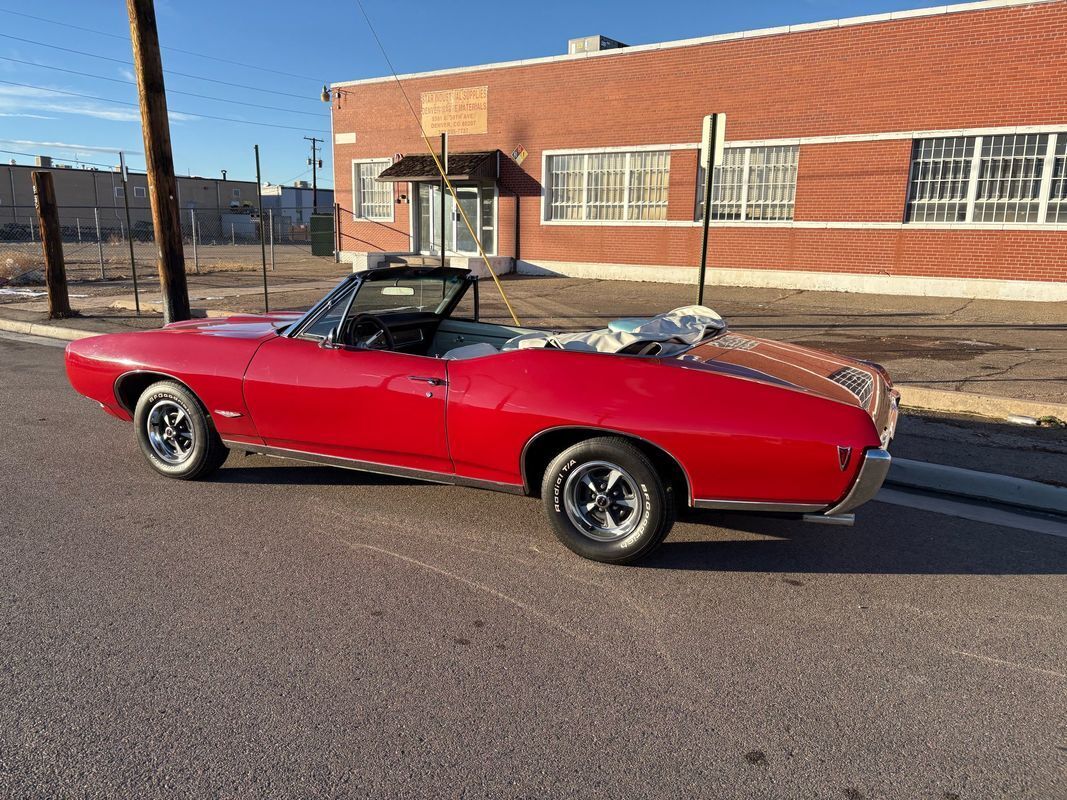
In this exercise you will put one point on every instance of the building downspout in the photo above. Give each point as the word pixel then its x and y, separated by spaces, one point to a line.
pixel 518 207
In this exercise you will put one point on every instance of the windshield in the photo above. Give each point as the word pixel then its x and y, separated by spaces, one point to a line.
pixel 409 293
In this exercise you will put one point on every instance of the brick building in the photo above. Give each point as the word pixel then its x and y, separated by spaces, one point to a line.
pixel 918 152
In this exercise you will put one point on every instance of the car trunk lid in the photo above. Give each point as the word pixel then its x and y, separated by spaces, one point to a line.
pixel 805 369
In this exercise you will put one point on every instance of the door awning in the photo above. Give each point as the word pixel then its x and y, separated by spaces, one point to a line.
pixel 461 167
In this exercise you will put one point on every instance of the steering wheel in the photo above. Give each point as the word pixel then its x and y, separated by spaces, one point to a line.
pixel 381 339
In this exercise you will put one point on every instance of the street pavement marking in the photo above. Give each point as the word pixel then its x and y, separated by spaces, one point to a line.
pixel 1014 664
pixel 975 510
pixel 27 339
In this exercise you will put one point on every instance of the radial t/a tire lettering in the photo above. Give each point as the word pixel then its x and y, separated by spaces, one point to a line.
pixel 606 501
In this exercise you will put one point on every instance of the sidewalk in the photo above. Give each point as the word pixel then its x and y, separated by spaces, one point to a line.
pixel 999 349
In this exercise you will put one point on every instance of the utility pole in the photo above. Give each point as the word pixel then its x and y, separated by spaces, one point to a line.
pixel 315 163
pixel 162 185
pixel 55 274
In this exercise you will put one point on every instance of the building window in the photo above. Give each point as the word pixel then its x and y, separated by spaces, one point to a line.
pixel 237 192
pixel 371 198
pixel 140 191
pixel 753 184
pixel 608 186
pixel 940 177
pixel 1057 197
pixel 1008 178
pixel 119 193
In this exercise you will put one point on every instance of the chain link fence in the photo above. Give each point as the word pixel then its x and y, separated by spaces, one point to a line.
pixel 100 244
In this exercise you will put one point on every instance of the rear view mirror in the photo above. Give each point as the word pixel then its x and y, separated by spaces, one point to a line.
pixel 398 291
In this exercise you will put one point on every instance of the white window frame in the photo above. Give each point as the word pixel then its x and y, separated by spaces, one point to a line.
pixel 140 191
pixel 1047 159
pixel 119 193
pixel 747 166
pixel 584 155
pixel 357 199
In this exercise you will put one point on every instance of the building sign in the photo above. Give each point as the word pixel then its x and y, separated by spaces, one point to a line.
pixel 455 111
pixel 519 154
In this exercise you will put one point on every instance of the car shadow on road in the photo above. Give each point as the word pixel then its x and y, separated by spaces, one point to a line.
pixel 888 540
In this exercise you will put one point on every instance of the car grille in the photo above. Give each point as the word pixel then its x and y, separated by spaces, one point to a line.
pixel 857 381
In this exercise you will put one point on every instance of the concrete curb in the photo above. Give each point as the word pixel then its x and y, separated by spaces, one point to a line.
pixel 978 485
pixel 51 331
pixel 157 308
pixel 982 405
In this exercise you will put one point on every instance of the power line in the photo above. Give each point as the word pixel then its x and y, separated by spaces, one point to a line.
pixel 70 160
pixel 168 71
pixel 169 91
pixel 172 49
pixel 440 168
pixel 174 110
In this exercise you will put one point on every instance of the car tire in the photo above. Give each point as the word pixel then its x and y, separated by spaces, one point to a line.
pixel 606 501
pixel 176 434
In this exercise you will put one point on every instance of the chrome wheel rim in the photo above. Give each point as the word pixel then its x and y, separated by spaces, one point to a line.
pixel 170 432
pixel 602 501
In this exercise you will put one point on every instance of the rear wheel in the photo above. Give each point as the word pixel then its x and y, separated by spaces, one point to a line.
pixel 175 434
pixel 606 501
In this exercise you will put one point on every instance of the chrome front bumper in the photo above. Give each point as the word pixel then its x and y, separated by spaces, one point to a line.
pixel 871 475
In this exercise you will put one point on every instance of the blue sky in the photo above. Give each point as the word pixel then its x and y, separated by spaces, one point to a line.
pixel 287 51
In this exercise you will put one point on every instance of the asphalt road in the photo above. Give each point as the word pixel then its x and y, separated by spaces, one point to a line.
pixel 295 631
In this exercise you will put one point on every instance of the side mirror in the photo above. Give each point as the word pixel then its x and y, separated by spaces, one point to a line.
pixel 329 341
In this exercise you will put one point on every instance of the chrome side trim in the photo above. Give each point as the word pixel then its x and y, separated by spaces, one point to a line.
pixel 527 489
pixel 759 505
pixel 868 481
pixel 375 467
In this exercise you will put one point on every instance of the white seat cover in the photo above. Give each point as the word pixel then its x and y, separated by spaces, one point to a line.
pixel 675 330
pixel 476 350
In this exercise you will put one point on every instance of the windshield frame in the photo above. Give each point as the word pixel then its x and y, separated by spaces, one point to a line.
pixel 297 330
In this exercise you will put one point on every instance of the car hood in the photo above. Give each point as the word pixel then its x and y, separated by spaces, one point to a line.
pixel 241 326
pixel 832 376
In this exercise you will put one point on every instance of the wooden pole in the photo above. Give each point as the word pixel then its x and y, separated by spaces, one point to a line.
pixel 162 185
pixel 55 274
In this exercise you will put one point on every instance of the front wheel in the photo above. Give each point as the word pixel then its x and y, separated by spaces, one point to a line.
pixel 606 501
pixel 175 433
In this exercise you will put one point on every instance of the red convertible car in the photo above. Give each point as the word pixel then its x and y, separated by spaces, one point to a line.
pixel 392 372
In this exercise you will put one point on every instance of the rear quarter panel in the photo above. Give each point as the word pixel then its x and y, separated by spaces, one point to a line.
pixel 736 439
pixel 211 366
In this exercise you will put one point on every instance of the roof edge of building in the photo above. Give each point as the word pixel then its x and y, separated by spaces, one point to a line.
pixel 890 16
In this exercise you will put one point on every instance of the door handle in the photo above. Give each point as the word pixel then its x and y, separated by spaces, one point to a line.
pixel 431 381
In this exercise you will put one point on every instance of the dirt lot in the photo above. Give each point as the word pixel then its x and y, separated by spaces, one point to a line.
pixel 84 259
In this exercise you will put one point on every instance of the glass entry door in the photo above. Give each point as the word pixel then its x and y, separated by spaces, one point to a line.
pixel 457 238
